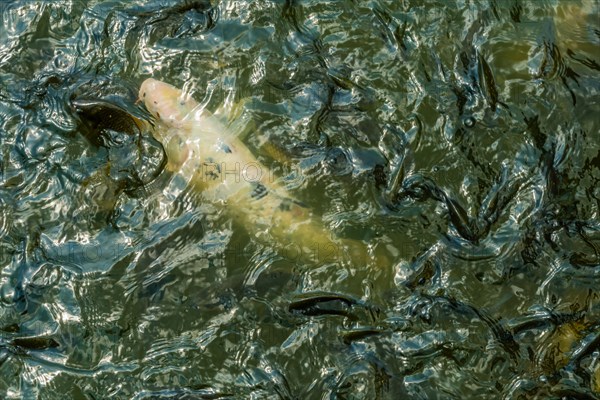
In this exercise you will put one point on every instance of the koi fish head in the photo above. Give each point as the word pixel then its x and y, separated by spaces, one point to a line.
pixel 168 104
pixel 172 110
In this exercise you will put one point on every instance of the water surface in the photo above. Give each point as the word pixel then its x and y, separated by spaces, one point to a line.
pixel 459 140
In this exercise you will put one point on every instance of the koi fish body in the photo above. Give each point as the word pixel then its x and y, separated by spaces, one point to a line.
pixel 225 171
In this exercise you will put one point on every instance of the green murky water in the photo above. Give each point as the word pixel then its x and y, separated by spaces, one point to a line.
pixel 458 140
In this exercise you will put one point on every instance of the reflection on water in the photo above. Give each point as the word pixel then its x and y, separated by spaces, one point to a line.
pixel 457 141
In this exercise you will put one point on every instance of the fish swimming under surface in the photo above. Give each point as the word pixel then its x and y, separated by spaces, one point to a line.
pixel 224 171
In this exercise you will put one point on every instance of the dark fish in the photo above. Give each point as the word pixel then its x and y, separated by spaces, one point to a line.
pixel 327 310
pixel 341 79
pixel 515 12
pixel 502 335
pixel 487 82
pixel 584 260
pixel 325 303
pixel 353 335
pixel 12 328
pixel 533 127
pixel 399 34
pixel 35 342
pixel 498 198
pixel 379 176
pixel 101 117
pixel 461 221
pixel 310 299
pixel 588 62
pixel 133 160
pixel 530 322
pixel 554 179
pixel 393 146
pixel 462 96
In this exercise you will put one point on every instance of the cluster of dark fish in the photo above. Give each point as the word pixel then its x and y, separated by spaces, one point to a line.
pixel 570 345
pixel 573 339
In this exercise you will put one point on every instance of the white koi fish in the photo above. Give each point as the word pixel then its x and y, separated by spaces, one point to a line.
pixel 224 170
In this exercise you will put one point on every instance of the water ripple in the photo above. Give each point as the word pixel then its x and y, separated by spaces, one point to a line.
pixel 455 145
